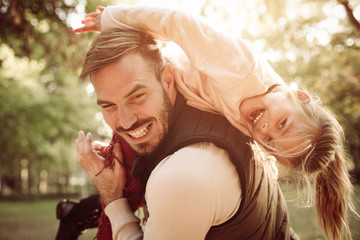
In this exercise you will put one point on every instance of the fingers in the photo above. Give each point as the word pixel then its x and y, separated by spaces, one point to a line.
pixel 90 18
pixel 99 146
pixel 85 29
pixel 118 153
pixel 91 21
pixel 119 167
pixel 80 145
pixel 84 144
pixel 87 143
pixel 88 158
pixel 100 9
pixel 80 142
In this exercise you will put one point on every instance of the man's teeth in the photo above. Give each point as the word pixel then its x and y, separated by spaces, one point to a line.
pixel 258 117
pixel 140 133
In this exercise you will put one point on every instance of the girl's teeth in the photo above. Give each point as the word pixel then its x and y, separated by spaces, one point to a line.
pixel 258 117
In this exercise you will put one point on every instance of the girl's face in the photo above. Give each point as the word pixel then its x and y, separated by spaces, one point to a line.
pixel 270 118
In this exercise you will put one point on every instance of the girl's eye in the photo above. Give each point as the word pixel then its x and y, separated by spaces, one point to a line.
pixel 282 124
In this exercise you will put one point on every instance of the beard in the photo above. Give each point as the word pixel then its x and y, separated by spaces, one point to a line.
pixel 147 148
pixel 164 119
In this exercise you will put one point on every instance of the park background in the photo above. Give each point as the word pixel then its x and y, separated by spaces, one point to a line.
pixel 311 43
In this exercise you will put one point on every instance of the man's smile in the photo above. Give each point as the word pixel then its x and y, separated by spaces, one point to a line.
pixel 140 132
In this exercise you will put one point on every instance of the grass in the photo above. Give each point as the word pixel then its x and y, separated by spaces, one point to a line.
pixel 31 221
pixel 36 220
pixel 304 222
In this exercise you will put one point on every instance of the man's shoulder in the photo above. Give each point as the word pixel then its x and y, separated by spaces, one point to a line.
pixel 197 153
pixel 196 172
pixel 198 163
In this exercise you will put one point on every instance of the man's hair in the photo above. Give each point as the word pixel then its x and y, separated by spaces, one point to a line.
pixel 110 46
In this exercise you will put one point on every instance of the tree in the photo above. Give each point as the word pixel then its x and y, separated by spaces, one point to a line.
pixel 45 106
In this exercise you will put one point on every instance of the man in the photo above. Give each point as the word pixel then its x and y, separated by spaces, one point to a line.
pixel 201 180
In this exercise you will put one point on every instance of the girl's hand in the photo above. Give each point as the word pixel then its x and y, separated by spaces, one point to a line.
pixel 92 21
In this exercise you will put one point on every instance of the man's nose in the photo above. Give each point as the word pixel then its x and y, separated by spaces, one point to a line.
pixel 126 117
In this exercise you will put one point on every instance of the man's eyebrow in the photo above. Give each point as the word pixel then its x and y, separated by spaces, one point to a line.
pixel 135 88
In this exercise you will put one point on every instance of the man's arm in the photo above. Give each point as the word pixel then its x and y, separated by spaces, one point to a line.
pixel 195 188
pixel 124 224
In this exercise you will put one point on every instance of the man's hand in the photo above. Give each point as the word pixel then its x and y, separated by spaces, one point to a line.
pixel 92 21
pixel 110 183
pixel 100 148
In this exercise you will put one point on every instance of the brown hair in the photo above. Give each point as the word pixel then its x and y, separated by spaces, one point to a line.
pixel 112 45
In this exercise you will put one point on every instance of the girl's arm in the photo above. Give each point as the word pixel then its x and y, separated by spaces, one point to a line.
pixel 220 56
pixel 219 70
pixel 223 69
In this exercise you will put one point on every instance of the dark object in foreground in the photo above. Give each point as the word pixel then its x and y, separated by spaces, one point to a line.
pixel 75 217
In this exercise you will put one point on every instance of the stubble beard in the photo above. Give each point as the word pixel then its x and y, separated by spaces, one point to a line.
pixel 166 113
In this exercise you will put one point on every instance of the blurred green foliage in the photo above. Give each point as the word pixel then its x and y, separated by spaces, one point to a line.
pixel 312 43
pixel 43 105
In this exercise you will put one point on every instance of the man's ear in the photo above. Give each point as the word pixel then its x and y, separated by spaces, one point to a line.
pixel 303 96
pixel 168 78
pixel 168 81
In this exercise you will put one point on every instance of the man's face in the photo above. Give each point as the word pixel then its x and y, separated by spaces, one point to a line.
pixel 134 102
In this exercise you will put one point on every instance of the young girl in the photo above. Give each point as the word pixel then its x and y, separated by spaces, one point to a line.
pixel 224 74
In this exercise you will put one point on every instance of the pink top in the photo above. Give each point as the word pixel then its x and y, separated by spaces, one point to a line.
pixel 217 71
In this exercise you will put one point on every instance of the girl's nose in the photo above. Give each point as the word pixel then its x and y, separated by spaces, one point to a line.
pixel 265 128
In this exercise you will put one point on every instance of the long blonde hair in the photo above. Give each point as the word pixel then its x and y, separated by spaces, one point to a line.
pixel 322 164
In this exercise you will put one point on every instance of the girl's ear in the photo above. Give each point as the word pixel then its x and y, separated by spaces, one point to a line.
pixel 303 96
